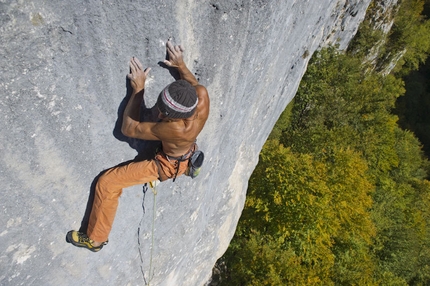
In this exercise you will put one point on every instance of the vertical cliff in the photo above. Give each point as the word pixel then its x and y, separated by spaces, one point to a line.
pixel 62 86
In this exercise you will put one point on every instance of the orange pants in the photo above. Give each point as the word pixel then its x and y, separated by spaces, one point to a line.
pixel 109 188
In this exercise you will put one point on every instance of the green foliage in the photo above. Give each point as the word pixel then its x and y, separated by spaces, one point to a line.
pixel 283 120
pixel 299 215
pixel 401 214
pixel 357 115
pixel 407 44
pixel 413 108
pixel 410 33
pixel 366 39
pixel 339 196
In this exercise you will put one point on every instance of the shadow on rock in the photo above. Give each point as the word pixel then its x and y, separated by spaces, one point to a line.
pixel 173 71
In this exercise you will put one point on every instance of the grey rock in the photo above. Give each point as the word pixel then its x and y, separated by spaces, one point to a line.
pixel 63 83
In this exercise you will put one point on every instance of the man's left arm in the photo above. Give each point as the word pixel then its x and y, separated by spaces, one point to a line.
pixel 131 125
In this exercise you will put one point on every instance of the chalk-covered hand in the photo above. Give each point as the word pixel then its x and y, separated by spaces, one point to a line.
pixel 175 55
pixel 137 75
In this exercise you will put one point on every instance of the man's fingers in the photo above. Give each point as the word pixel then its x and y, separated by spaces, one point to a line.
pixel 178 49
pixel 133 65
pixel 139 65
pixel 173 49
pixel 169 45
pixel 167 63
pixel 146 72
pixel 170 53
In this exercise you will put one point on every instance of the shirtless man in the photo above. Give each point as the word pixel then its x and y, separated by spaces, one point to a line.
pixel 183 110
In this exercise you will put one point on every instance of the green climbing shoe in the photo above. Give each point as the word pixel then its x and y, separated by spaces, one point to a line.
pixel 80 239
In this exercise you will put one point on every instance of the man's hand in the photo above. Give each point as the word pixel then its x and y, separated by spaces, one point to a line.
pixel 175 55
pixel 176 61
pixel 137 75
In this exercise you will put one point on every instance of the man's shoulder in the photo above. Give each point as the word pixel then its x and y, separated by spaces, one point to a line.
pixel 201 90
pixel 204 103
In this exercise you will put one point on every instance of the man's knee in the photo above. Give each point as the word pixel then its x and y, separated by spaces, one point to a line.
pixel 105 182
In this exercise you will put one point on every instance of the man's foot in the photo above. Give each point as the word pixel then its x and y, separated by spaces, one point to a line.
pixel 80 239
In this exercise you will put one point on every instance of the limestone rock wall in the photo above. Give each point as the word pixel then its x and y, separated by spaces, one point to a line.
pixel 62 88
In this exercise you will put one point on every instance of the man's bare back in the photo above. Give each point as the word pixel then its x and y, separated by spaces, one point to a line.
pixel 177 136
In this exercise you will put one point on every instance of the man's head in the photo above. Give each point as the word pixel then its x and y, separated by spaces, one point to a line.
pixel 178 100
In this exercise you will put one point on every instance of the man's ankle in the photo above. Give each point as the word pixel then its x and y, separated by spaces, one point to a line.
pixel 96 243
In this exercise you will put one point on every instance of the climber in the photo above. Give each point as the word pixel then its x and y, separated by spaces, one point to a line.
pixel 183 110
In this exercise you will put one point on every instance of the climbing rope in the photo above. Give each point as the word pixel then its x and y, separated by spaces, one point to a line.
pixel 153 186
pixel 145 188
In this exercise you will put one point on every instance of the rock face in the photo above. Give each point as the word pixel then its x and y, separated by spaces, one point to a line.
pixel 63 83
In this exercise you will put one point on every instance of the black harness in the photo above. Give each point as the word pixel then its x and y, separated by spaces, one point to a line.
pixel 178 160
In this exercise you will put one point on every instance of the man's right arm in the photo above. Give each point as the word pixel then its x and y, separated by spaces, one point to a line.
pixel 187 75
pixel 176 61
